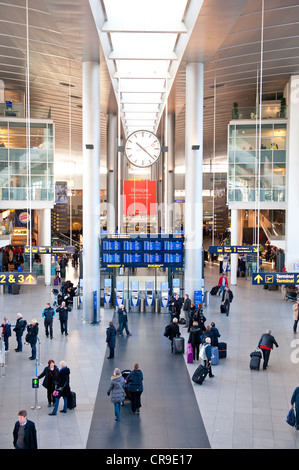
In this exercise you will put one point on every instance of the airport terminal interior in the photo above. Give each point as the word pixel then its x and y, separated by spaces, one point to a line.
pixel 147 149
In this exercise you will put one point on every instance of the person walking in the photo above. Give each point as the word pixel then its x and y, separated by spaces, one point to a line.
pixel 227 297
pixel 110 339
pixel 135 387
pixel 24 432
pixel 295 316
pixel 123 321
pixel 222 283
pixel 48 316
pixel 19 330
pixel 173 331
pixel 207 357
pixel 63 311
pixel 195 339
pixel 186 309
pixel 266 344
pixel 215 335
pixel 116 388
pixel 295 404
pixel 6 331
pixel 31 337
pixel 175 307
pixel 50 382
pixel 63 388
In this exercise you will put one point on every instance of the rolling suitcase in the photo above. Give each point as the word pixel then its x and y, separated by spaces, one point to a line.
pixel 214 290
pixel 200 374
pixel 215 356
pixel 255 360
pixel 71 401
pixel 222 350
pixel 222 308
pixel 179 345
pixel 189 354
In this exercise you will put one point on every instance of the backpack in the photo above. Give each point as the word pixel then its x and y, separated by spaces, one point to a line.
pixel 167 331
pixel 202 353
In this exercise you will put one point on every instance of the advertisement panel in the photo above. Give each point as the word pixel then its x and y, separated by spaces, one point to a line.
pixel 140 197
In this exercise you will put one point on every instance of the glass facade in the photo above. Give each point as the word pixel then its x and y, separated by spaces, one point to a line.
pixel 16 181
pixel 247 165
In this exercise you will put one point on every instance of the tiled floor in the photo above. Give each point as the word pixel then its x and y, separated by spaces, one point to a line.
pixel 239 408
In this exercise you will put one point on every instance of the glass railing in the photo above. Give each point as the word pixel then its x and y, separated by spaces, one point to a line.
pixel 269 111
pixel 18 111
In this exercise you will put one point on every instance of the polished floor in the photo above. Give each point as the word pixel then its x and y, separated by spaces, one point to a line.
pixel 237 409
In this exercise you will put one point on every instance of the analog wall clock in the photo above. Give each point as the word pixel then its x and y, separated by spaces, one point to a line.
pixel 142 148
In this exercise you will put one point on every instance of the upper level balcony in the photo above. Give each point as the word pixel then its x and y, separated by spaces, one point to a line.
pixel 270 110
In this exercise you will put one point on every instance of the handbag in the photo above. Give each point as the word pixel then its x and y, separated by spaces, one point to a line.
pixel 55 393
pixel 291 417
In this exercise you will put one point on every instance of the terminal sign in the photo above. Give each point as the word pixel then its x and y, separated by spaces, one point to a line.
pixel 53 250
pixel 271 279
pixel 18 278
pixel 222 249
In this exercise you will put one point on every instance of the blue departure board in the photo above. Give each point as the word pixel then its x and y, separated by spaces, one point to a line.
pixel 142 250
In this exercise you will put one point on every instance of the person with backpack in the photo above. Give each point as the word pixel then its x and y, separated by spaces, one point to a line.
pixel 205 354
pixel 19 330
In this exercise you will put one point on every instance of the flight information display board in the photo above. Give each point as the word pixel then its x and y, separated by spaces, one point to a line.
pixel 161 250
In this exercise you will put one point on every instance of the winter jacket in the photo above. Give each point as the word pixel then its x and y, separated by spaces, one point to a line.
pixel 31 336
pixel 64 381
pixel 215 336
pixel 134 381
pixel 174 330
pixel 195 335
pixel 20 327
pixel 30 439
pixel 110 337
pixel 63 313
pixel 50 376
pixel 6 330
pixel 116 388
pixel 48 314
pixel 266 341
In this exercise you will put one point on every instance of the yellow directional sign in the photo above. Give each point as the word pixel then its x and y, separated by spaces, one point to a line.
pixel 258 278
pixel 275 278
pixel 18 278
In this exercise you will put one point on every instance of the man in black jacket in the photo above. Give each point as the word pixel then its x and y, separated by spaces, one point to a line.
pixel 175 307
pixel 266 344
pixel 19 330
pixel 172 331
pixel 63 311
pixel 24 433
pixel 48 315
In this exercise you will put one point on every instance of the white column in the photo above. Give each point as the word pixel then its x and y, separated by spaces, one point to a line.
pixel 234 241
pixel 292 219
pixel 45 239
pixel 111 173
pixel 91 188
pixel 170 172
pixel 193 179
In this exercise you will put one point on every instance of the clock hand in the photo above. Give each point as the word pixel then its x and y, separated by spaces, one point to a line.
pixel 144 150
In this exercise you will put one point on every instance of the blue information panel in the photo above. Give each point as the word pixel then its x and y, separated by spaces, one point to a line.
pixel 274 279
pixel 142 250
pixel 243 250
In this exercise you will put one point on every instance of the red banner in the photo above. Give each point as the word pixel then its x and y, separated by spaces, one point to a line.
pixel 140 197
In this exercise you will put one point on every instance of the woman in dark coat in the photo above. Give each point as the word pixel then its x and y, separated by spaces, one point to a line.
pixel 63 388
pixel 31 337
pixel 110 339
pixel 195 339
pixel 50 374
pixel 135 387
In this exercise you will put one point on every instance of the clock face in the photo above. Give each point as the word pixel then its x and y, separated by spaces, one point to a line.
pixel 142 148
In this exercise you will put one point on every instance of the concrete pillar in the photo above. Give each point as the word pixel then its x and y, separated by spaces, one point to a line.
pixel 193 216
pixel 45 240
pixel 91 188
pixel 111 173
pixel 234 241
pixel 170 173
pixel 292 219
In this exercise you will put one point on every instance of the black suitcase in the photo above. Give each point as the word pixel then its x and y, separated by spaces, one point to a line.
pixel 222 308
pixel 71 401
pixel 222 349
pixel 200 374
pixel 255 360
pixel 179 345
pixel 214 290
